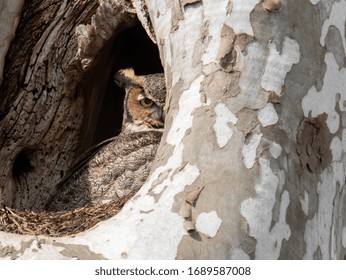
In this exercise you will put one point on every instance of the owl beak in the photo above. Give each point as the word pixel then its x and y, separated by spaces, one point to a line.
pixel 160 121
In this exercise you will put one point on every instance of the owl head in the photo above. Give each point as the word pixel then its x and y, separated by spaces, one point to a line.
pixel 144 100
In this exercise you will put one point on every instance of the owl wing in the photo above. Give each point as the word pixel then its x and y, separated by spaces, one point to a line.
pixel 77 168
pixel 118 168
pixel 84 159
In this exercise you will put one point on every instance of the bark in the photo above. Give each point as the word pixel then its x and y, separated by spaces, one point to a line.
pixel 252 160
pixel 50 96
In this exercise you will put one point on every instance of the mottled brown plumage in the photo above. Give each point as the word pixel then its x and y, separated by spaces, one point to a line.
pixel 122 165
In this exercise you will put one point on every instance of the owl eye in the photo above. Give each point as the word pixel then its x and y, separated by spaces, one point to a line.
pixel 146 102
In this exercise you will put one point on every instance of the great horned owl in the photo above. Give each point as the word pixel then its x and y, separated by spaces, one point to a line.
pixel 122 165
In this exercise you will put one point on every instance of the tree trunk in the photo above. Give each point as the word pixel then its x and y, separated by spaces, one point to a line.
pixel 50 95
pixel 252 162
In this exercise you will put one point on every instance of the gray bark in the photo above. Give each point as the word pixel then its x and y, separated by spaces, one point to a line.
pixel 255 116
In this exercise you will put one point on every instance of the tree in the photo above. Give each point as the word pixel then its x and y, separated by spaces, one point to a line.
pixel 255 116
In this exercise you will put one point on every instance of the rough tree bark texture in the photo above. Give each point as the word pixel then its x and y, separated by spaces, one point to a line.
pixel 255 115
pixel 50 99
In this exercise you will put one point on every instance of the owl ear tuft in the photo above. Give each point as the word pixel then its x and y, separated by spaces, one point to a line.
pixel 126 77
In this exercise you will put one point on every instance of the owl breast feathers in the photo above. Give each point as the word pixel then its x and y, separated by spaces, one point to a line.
pixel 123 164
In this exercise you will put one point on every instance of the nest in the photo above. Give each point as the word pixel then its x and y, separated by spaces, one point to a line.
pixel 57 224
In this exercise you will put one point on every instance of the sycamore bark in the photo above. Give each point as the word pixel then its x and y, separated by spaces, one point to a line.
pixel 255 115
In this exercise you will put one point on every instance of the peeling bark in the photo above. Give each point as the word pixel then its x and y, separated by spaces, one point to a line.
pixel 255 115
pixel 247 135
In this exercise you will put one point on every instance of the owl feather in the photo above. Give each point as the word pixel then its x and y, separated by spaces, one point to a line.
pixel 120 165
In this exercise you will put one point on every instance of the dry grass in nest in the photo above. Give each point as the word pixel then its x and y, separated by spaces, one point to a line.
pixel 57 224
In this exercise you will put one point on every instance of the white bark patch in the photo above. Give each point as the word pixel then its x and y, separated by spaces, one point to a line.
pixel 314 2
pixel 336 148
pixel 334 88
pixel 319 230
pixel 336 18
pixel 343 142
pixel 161 7
pixel 275 150
pixel 279 64
pixel 258 213
pixel 240 16
pixel 222 130
pixel 249 151
pixel 214 14
pixel 189 101
pixel 344 237
pixel 161 20
pixel 9 18
pixel 185 43
pixel 304 202
pixel 208 223
pixel 267 115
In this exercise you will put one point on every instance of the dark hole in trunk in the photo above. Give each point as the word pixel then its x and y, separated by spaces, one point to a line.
pixel 104 103
pixel 22 163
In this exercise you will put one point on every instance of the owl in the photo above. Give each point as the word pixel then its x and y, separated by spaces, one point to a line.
pixel 122 164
